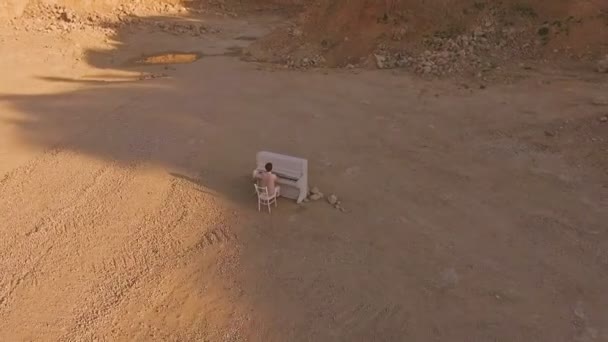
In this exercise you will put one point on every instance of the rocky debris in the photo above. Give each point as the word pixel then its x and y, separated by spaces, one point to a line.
pixel 476 51
pixel 56 18
pixel 399 33
pixel 387 60
pixel 181 28
pixel 315 194
pixel 442 56
pixel 459 54
pixel 68 16
pixel 305 62
pixel 315 197
pixel 602 65
pixel 335 202
pixel 604 119
pixel 144 77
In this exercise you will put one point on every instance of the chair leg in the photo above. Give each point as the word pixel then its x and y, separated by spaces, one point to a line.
pixel 259 206
pixel 269 211
pixel 275 202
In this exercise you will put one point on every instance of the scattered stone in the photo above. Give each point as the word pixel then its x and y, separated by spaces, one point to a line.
pixel 386 60
pixel 604 118
pixel 67 16
pixel 305 62
pixel 549 134
pixel 339 207
pixel 315 190
pixel 144 77
pixel 399 33
pixel 579 311
pixel 315 197
pixel 332 199
pixel 296 32
pixel 380 61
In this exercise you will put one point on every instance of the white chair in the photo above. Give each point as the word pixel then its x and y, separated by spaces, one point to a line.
pixel 264 198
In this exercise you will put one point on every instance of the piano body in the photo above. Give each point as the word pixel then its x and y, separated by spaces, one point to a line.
pixel 292 173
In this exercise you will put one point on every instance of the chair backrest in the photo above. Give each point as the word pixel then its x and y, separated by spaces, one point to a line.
pixel 262 191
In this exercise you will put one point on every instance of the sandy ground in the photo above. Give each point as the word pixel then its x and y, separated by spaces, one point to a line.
pixel 126 212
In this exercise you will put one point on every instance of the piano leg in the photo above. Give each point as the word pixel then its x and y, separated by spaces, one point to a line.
pixel 303 193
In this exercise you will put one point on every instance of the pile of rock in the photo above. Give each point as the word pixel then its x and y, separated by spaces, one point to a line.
pixel 474 51
pixel 315 194
pixel 444 55
pixel 315 61
pixel 387 60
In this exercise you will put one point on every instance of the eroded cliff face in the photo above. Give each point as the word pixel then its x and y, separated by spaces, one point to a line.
pixel 438 36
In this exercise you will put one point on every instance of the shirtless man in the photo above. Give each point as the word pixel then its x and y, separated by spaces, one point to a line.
pixel 268 179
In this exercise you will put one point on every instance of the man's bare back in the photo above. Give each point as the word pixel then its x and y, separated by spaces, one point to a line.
pixel 268 180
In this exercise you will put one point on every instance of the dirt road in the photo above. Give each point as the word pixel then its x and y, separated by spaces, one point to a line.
pixel 126 212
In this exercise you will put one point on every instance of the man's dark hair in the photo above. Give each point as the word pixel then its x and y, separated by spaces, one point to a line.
pixel 268 167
